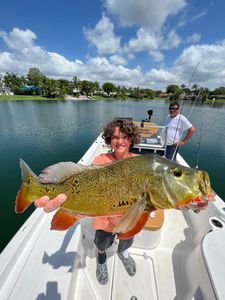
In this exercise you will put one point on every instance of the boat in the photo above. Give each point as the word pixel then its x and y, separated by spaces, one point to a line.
pixel 181 257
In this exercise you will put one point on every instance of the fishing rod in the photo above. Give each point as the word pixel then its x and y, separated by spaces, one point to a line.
pixel 182 106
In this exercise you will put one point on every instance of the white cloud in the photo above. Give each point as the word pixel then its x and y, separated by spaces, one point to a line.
pixel 130 56
pixel 153 42
pixel 209 58
pixel 156 55
pixel 145 41
pixel 144 13
pixel 194 38
pixel 24 54
pixel 18 39
pixel 199 15
pixel 161 77
pixel 118 60
pixel 7 63
pixel 171 41
pixel 101 69
pixel 103 37
pixel 182 21
pixel 149 15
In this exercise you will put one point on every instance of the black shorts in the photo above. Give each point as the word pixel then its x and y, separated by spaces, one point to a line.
pixel 103 240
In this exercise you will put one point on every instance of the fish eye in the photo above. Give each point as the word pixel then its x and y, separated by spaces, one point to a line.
pixel 177 172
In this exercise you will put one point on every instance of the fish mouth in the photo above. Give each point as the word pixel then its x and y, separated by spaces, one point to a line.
pixel 204 184
pixel 203 194
pixel 206 193
pixel 205 199
pixel 201 202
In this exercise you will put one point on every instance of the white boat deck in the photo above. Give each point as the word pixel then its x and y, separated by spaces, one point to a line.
pixel 43 264
pixel 53 264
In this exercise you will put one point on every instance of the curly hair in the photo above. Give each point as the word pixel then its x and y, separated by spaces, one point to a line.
pixel 126 127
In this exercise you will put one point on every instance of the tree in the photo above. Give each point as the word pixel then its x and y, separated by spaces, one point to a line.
pixel 219 91
pixel 14 82
pixel 183 87
pixel 87 87
pixel 195 89
pixel 149 93
pixel 63 87
pixel 123 92
pixel 137 93
pixel 49 87
pixel 34 77
pixel 108 88
pixel 204 94
pixel 97 86
pixel 75 80
pixel 175 90
pixel 1 85
pixel 157 93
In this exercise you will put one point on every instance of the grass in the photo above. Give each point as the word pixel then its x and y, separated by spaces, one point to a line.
pixel 25 97
pixel 40 98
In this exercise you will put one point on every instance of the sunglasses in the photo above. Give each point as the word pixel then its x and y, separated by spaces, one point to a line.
pixel 173 108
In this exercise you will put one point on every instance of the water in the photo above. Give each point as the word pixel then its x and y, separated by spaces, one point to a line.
pixel 43 133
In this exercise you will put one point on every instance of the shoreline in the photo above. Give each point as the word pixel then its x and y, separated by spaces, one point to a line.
pixel 80 98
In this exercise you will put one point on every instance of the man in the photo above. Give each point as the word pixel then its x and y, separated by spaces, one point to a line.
pixel 176 124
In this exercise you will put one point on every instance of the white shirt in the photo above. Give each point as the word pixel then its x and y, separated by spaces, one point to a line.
pixel 175 128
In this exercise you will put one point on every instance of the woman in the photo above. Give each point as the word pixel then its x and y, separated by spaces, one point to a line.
pixel 120 135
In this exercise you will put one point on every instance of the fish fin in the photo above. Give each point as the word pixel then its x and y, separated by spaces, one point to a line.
pixel 63 219
pixel 25 195
pixel 26 171
pixel 132 216
pixel 61 171
pixel 137 227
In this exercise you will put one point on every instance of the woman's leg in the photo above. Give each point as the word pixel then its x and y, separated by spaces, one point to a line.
pixel 125 257
pixel 103 240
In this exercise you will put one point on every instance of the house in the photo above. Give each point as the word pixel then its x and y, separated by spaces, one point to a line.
pixel 5 91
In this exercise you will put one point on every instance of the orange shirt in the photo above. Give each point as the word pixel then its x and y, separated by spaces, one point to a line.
pixel 106 223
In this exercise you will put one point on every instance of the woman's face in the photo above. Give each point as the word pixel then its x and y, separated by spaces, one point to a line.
pixel 120 142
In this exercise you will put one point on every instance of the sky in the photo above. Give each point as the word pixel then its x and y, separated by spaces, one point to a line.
pixel 144 43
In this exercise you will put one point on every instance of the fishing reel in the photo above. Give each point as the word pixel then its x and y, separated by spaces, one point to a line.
pixel 150 113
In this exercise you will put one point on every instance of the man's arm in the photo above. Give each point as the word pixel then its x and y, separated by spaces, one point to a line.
pixel 189 134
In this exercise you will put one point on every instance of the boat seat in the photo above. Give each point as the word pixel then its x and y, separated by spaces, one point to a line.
pixel 146 128
pixel 150 237
pixel 155 220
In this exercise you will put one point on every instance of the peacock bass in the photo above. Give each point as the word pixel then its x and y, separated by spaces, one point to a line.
pixel 132 187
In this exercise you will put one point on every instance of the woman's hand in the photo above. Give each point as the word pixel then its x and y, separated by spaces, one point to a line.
pixel 195 207
pixel 50 204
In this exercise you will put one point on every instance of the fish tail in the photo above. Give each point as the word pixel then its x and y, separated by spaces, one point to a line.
pixel 28 191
